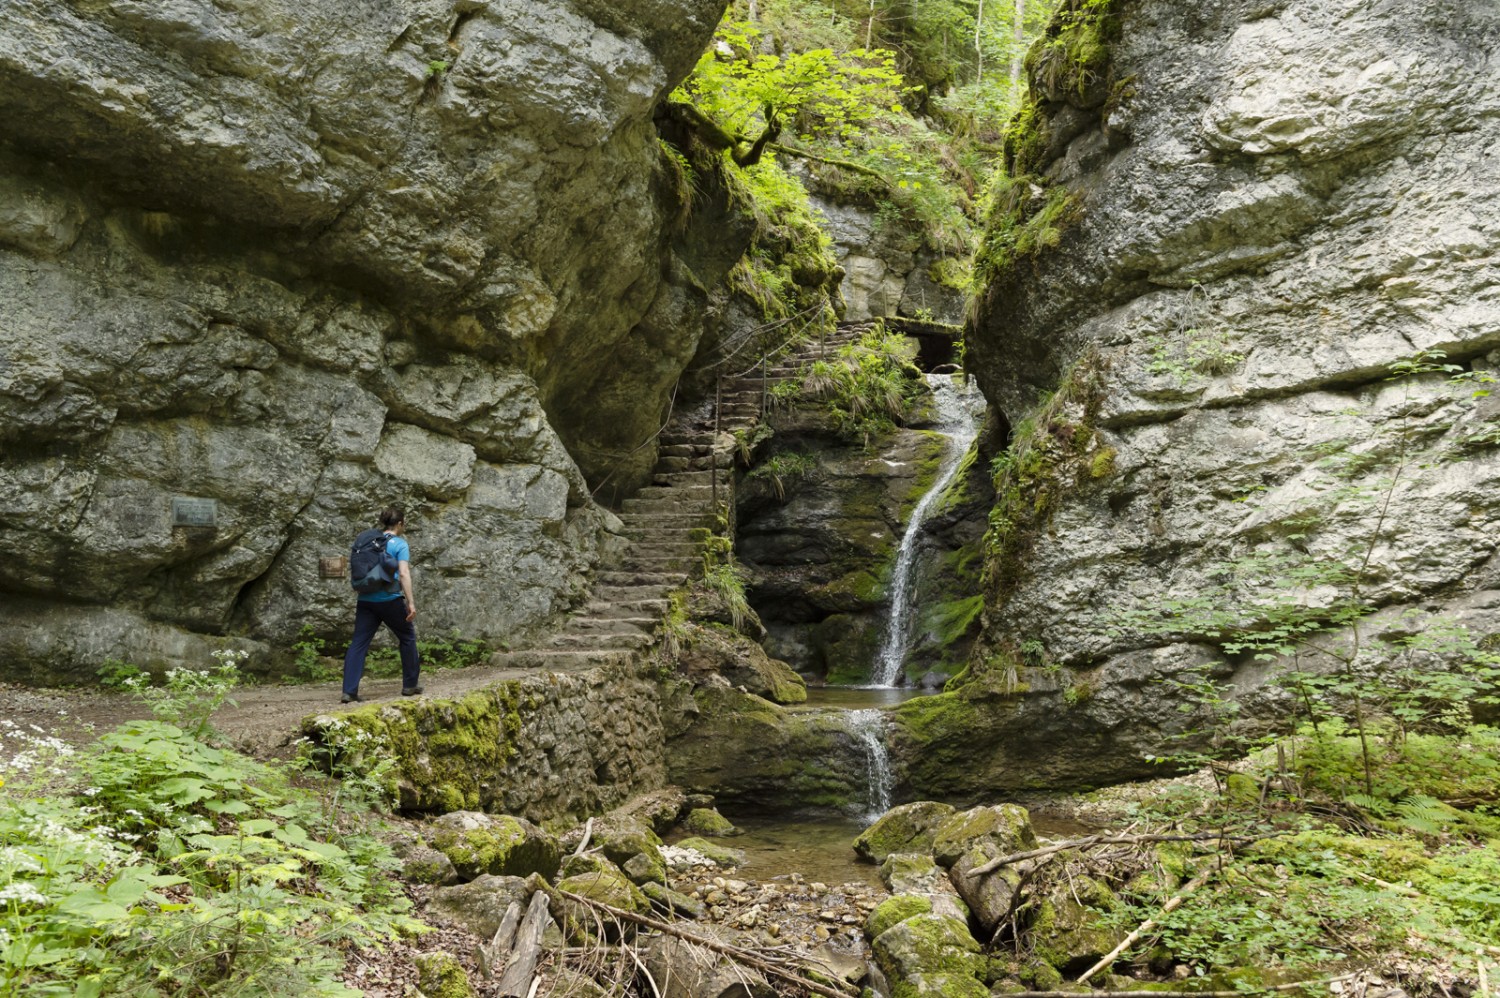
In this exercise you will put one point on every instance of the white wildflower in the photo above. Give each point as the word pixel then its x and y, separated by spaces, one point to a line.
pixel 22 892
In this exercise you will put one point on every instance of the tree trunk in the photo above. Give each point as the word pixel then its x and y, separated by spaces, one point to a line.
pixel 1018 53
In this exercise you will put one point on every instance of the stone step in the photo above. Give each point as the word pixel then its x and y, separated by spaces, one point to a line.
pixel 672 531
pixel 662 547
pixel 630 594
pixel 703 476
pixel 641 578
pixel 665 521
pixel 665 507
pixel 678 438
pixel 685 450
pixel 675 492
pixel 612 625
pixel 562 659
pixel 600 642
pixel 675 464
pixel 628 609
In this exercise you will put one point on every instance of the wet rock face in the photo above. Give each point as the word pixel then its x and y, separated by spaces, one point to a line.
pixel 1278 203
pixel 308 259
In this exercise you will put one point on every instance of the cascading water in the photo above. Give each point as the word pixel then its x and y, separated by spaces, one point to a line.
pixel 959 406
pixel 869 727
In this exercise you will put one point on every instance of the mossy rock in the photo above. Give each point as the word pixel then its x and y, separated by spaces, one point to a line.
pixel 912 873
pixel 440 975
pixel 425 865
pixel 719 854
pixel 496 844
pixel 707 821
pixel 480 905
pixel 630 843
pixel 606 886
pixel 909 828
pixel 931 956
pixel 1070 932
pixel 1003 828
pixel 894 910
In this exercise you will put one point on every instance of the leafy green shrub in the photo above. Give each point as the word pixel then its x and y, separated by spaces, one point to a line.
pixel 452 652
pixel 154 863
pixel 869 386
pixel 781 470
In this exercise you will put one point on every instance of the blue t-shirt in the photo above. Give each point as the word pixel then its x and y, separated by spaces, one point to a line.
pixel 398 549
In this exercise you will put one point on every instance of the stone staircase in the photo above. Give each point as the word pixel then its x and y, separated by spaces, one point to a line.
pixel 668 523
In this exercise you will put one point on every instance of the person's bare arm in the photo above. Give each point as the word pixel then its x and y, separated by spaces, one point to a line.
pixel 411 604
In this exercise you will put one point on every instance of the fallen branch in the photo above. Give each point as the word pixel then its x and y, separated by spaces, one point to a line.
pixel 843 164
pixel 588 833
pixel 491 956
pixel 736 953
pixel 1109 958
pixel 520 970
pixel 1295 985
pixel 1092 841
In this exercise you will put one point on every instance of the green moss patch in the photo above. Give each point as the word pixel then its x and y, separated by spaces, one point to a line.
pixel 436 753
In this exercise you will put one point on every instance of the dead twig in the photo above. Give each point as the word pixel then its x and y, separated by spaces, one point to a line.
pixel 737 953
pixel 1322 982
pixel 1145 927
pixel 1093 841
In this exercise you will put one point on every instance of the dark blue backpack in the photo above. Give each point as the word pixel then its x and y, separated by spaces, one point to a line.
pixel 371 570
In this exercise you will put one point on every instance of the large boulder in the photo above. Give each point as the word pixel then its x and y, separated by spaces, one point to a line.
pixel 480 905
pixel 906 828
pixel 967 842
pixel 931 956
pixel 999 829
pixel 495 844
pixel 1070 931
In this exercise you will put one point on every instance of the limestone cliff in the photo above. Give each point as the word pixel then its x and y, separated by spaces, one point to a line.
pixel 1234 222
pixel 306 259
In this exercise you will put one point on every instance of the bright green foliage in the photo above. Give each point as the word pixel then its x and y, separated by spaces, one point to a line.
pixel 154 863
pixel 869 386
pixel 782 470
pixel 452 652
pixel 727 580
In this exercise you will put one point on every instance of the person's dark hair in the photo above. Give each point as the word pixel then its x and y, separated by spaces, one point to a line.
pixel 391 516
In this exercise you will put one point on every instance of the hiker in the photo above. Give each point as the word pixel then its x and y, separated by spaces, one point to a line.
pixel 381 574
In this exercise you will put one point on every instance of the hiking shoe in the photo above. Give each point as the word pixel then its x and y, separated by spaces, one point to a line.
pixel 351 698
pixel 410 691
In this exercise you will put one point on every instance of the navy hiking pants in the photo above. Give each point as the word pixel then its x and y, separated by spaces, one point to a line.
pixel 368 616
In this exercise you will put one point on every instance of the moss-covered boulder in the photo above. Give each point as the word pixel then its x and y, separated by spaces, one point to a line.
pixel 707 821
pixel 630 843
pixel 992 895
pixel 907 873
pixel 745 750
pixel 895 909
pixel 497 844
pixel 719 650
pixel 931 956
pixel 999 828
pixel 440 975
pixel 606 886
pixel 908 828
pixel 425 865
pixel 712 851
pixel 479 905
pixel 1070 931
pixel 967 842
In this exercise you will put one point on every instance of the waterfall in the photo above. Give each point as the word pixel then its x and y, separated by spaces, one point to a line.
pixel 869 727
pixel 959 406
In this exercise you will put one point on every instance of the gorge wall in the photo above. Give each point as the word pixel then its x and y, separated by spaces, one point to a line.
pixel 307 259
pixel 1233 224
